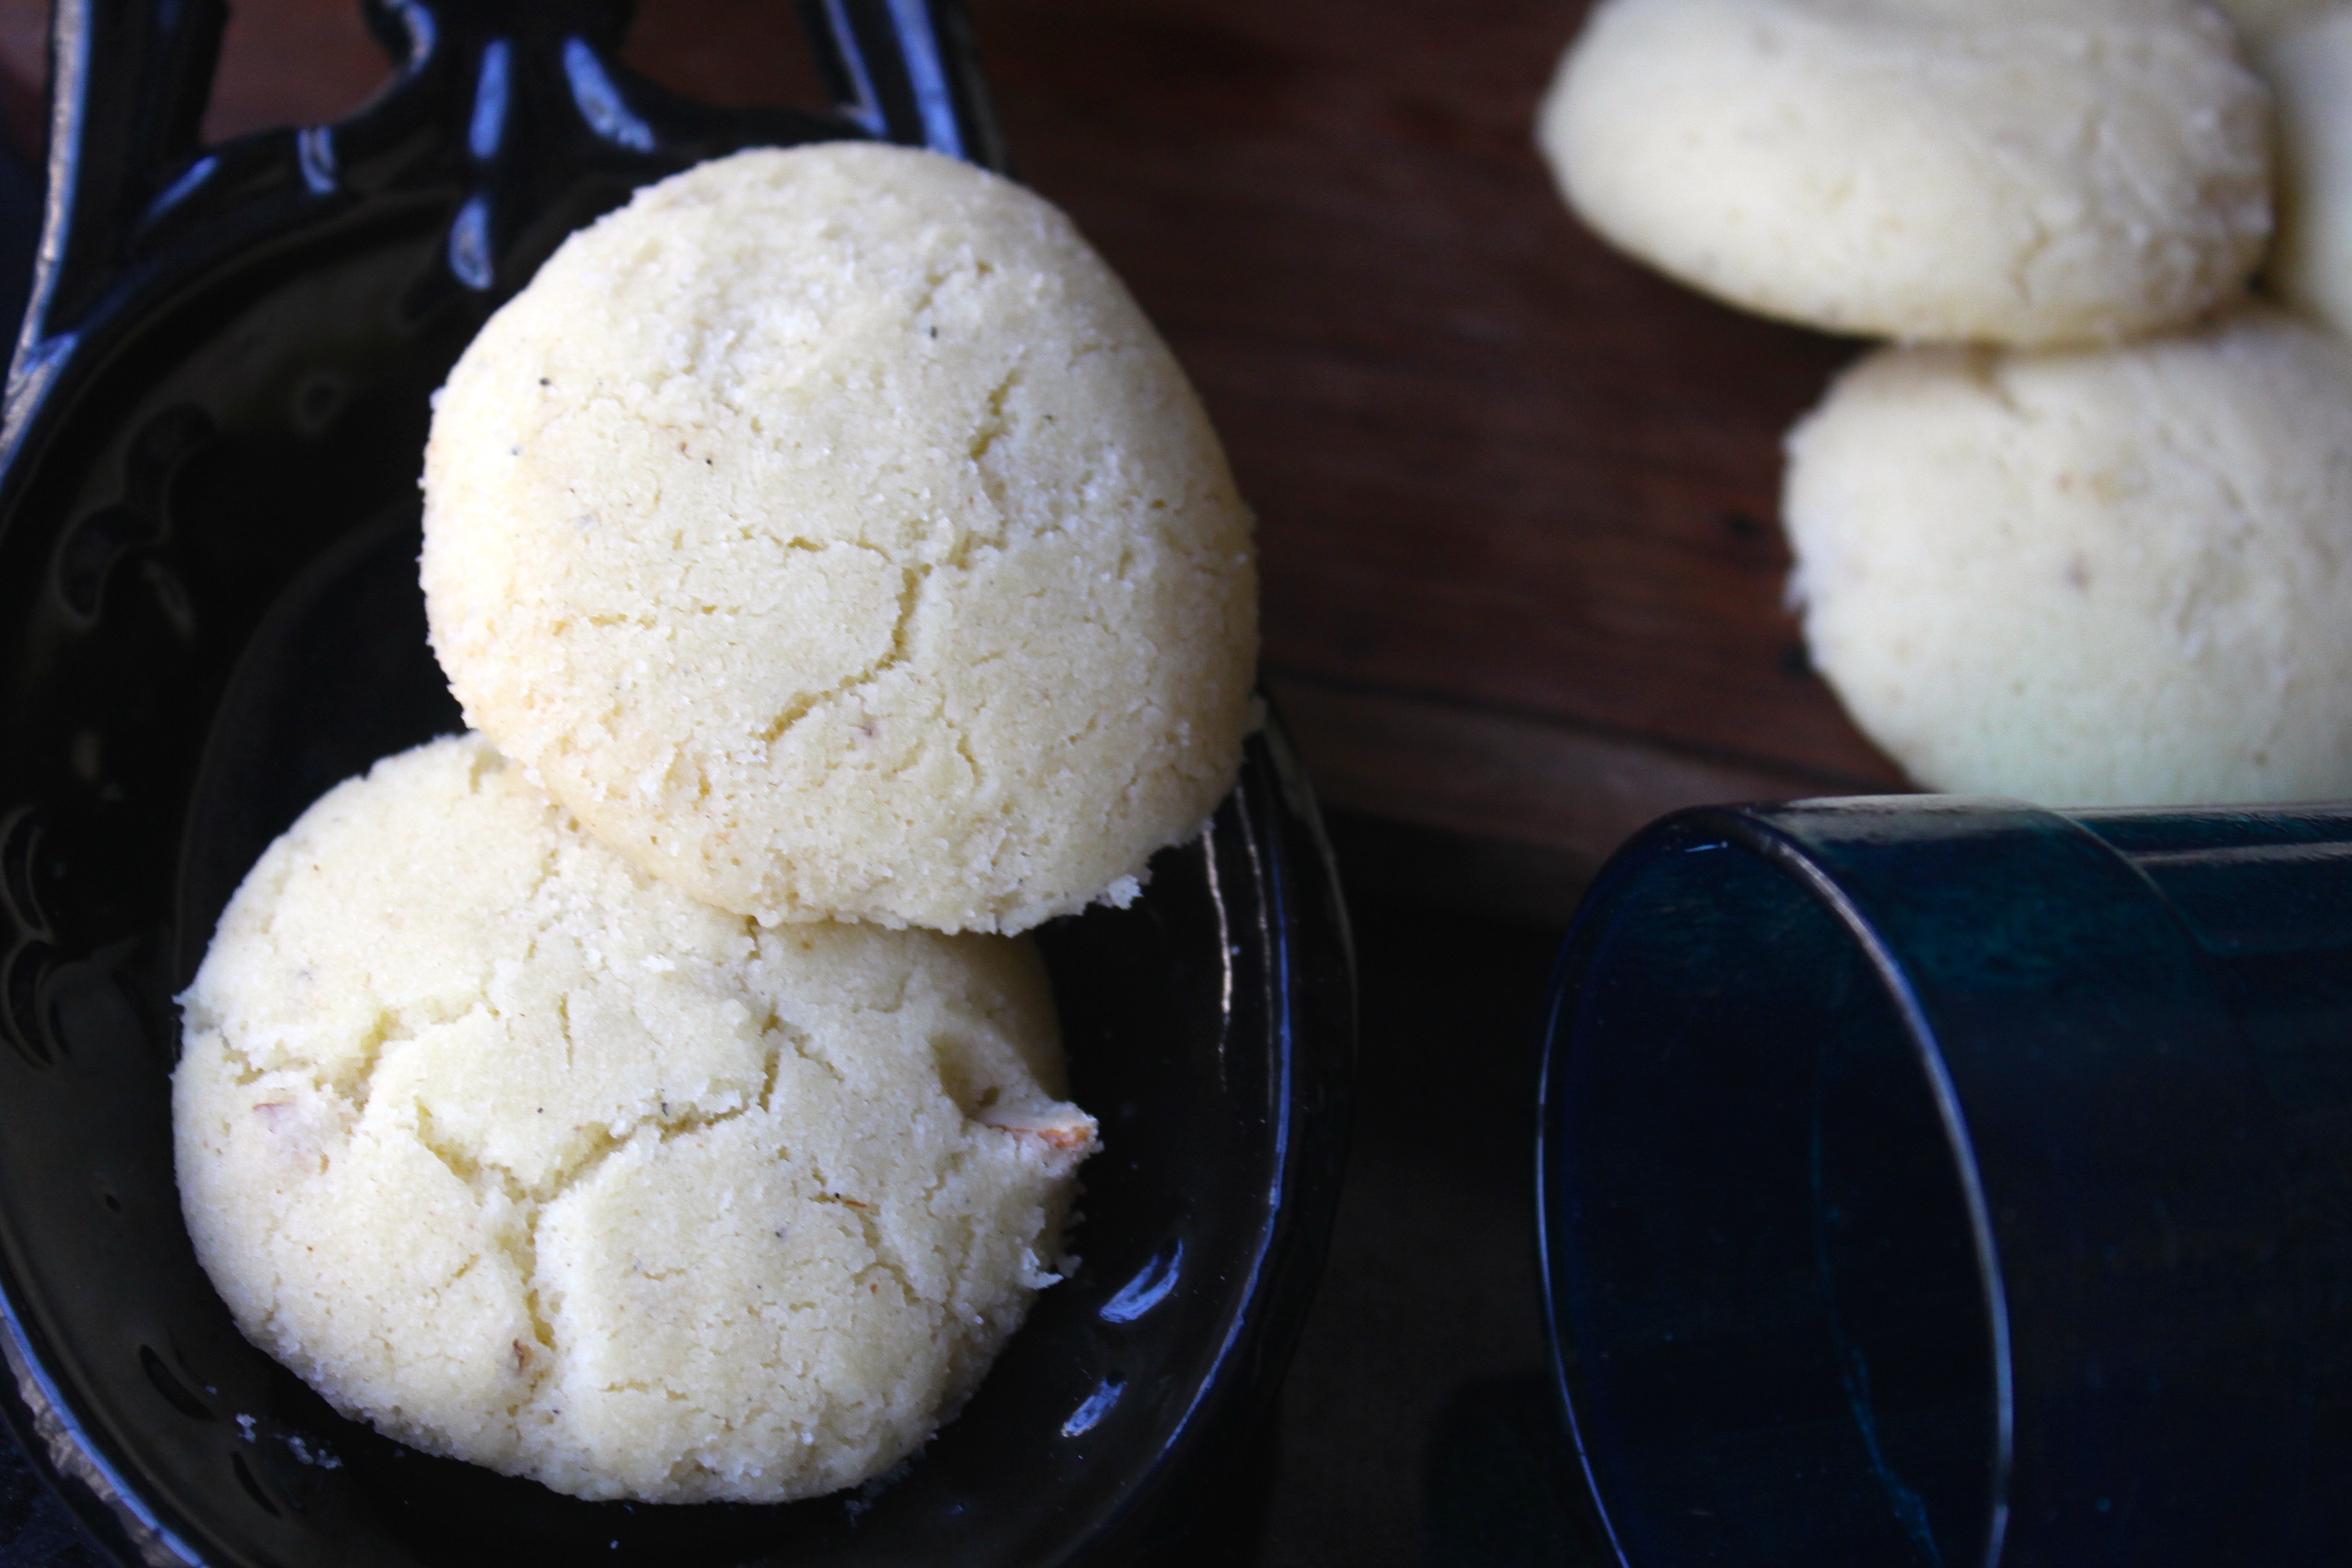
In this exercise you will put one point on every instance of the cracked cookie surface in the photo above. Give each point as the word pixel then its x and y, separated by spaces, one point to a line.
pixel 830 531
pixel 527 1159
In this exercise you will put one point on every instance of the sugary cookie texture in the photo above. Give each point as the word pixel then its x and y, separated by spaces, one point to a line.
pixel 527 1159
pixel 829 530
pixel 2032 172
pixel 2111 577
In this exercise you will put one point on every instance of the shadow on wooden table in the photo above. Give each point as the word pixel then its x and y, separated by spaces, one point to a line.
pixel 1419 1427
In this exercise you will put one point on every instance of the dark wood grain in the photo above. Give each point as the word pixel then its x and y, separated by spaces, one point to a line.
pixel 1516 495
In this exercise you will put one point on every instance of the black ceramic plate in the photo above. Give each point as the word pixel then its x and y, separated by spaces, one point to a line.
pixel 208 614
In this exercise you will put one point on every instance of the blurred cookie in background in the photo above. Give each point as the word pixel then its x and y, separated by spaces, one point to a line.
pixel 2003 170
pixel 2090 577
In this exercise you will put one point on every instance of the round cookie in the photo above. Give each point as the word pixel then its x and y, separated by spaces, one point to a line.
pixel 529 1160
pixel 2092 577
pixel 2006 170
pixel 829 530
pixel 2309 65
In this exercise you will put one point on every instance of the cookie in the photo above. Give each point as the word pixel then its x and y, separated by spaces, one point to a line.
pixel 829 530
pixel 2003 170
pixel 529 1160
pixel 2090 577
pixel 2309 65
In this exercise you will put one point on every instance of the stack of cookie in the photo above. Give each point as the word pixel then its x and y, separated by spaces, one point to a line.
pixel 2085 535
pixel 649 1093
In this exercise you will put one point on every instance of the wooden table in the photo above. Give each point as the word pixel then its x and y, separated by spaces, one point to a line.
pixel 1516 495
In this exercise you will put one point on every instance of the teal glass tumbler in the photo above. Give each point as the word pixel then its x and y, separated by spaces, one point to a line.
pixel 1938 1183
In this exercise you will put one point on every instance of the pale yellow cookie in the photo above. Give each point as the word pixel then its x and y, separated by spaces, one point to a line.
pixel 2100 577
pixel 830 531
pixel 527 1159
pixel 2008 171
